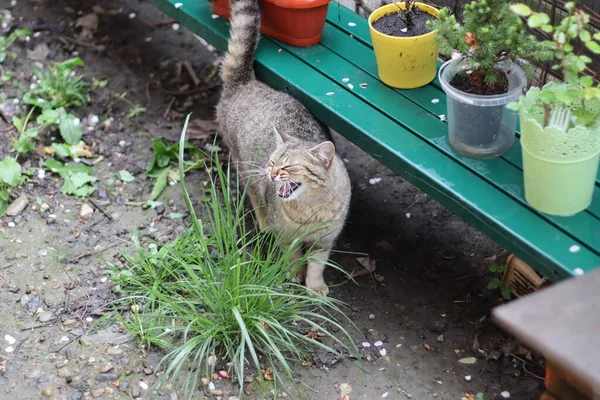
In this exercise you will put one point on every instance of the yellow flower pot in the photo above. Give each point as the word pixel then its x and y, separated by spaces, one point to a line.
pixel 404 62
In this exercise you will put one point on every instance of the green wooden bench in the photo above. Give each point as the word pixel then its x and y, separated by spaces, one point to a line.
pixel 404 129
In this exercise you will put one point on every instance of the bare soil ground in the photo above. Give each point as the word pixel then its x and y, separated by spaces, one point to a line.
pixel 428 304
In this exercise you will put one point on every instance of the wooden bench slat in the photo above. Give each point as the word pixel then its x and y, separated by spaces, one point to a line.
pixel 545 247
pixel 339 16
pixel 499 172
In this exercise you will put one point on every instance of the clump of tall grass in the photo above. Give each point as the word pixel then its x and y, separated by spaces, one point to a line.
pixel 220 293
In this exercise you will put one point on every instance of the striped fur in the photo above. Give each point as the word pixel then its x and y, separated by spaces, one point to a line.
pixel 244 35
pixel 296 183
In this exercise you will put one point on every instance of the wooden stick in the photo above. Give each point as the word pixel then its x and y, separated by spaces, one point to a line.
pixel 192 73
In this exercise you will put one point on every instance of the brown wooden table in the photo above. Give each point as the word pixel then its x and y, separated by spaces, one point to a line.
pixel 562 322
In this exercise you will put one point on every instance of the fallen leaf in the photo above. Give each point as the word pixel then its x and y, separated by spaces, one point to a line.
pixel 267 374
pixel 345 389
pixel 468 360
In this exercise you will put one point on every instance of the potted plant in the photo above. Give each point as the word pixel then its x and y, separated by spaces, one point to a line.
pixel 296 22
pixel 560 123
pixel 405 51
pixel 484 74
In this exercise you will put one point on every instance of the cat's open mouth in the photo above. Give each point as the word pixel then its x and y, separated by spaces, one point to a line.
pixel 287 188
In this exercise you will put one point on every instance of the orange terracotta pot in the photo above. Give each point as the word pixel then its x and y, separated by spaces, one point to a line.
pixel 296 22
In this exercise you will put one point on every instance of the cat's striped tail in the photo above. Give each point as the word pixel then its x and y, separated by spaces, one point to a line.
pixel 244 35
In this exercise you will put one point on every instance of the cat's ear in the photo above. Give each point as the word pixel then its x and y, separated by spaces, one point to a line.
pixel 324 152
pixel 282 137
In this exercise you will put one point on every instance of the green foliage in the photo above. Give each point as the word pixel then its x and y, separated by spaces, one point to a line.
pixel 77 178
pixel 10 172
pixel 164 158
pixel 23 143
pixel 496 283
pixel 68 125
pixel 59 86
pixel 491 34
pixel 10 176
pixel 568 39
pixel 220 291
pixel 125 176
pixel 7 41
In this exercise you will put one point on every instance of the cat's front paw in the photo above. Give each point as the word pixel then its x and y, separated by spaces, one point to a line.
pixel 317 287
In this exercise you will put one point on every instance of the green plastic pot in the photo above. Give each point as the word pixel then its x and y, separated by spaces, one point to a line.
pixel 559 168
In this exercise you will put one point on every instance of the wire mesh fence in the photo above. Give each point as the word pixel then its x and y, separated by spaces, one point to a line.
pixel 554 8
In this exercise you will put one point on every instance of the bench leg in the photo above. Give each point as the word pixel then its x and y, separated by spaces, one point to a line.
pixel 563 386
pixel 548 396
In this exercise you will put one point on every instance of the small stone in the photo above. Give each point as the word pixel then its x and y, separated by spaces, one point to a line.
pixel 435 395
pixel 143 385
pixel 35 374
pixel 106 368
pixel 65 373
pixel 70 322
pixel 114 351
pixel 468 378
pixel 77 396
pixel 160 209
pixel 24 300
pixel 135 391
pixel 61 364
pixel 378 343
pixel 101 193
pixel 43 379
pixel 17 206
pixel 371 317
pixel 123 386
pixel 505 394
pixel 48 391
pixel 46 316
pixel 148 371
pixel 108 377
pixel 97 393
pixel 86 211
pixel 440 338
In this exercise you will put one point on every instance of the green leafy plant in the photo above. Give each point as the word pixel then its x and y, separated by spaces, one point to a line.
pixel 496 282
pixel 7 41
pixel 69 128
pixel 23 142
pixel 164 158
pixel 567 40
pixel 78 178
pixel 135 109
pixel 220 293
pixel 10 177
pixel 491 34
pixel 59 86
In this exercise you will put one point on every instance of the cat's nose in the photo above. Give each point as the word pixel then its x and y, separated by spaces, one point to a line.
pixel 274 174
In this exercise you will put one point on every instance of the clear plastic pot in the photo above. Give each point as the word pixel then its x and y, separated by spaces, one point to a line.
pixel 481 126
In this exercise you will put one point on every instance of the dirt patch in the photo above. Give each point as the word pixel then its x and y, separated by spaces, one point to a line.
pixel 395 24
pixel 474 83
pixel 428 286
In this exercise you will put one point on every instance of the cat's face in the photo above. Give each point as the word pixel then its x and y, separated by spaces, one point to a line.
pixel 296 169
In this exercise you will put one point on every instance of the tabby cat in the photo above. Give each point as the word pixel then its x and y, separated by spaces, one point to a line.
pixel 301 187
